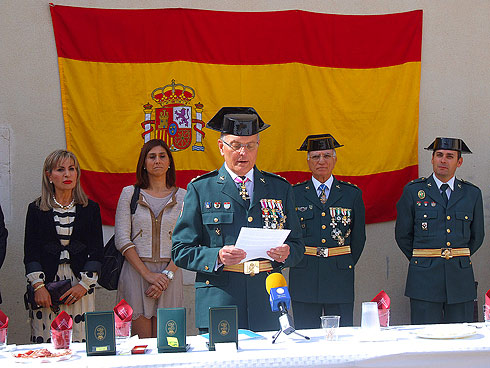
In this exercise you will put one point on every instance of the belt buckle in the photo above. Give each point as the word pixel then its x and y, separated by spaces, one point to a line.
pixel 322 252
pixel 251 268
pixel 446 253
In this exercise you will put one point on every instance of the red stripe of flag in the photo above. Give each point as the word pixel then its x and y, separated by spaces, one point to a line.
pixel 156 35
pixel 377 210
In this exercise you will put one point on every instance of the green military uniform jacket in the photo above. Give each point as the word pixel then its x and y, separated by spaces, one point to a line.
pixel 328 280
pixel 424 222
pixel 212 216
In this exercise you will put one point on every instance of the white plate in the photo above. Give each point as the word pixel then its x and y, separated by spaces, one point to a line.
pixel 446 332
pixel 41 359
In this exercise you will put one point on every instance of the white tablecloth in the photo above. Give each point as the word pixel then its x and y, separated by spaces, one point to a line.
pixel 398 347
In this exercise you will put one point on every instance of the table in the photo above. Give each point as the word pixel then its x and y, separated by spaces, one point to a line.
pixel 399 346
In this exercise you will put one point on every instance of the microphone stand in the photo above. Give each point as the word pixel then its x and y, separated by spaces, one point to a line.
pixel 286 321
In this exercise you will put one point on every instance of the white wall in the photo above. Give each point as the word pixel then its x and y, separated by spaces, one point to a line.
pixel 454 102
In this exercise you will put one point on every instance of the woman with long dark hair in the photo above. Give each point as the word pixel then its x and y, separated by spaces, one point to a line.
pixel 149 279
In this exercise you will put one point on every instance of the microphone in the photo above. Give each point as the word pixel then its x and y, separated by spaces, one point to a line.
pixel 278 291
pixel 280 301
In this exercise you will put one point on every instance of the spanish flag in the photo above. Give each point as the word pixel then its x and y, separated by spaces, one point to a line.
pixel 131 75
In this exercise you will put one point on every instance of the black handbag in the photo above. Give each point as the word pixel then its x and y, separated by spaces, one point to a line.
pixel 113 259
pixel 56 289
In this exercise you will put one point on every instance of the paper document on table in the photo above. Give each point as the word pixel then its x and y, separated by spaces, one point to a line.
pixel 256 242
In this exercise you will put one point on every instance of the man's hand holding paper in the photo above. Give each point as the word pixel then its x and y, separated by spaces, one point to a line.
pixel 263 243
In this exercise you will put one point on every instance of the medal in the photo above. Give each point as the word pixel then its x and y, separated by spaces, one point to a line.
pixel 421 194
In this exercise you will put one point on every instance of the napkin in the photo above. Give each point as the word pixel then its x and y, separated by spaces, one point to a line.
pixel 487 306
pixel 384 302
pixel 61 330
pixel 123 312
pixel 4 320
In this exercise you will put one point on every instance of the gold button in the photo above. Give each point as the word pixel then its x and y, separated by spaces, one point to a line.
pixel 448 244
pixel 207 282
pixel 448 231
pixel 302 218
pixel 449 217
pixel 216 219
pixel 324 241
pixel 323 214
pixel 350 266
pixel 250 219
pixel 324 226
pixel 206 268
pixel 425 216
pixel 466 217
pixel 416 262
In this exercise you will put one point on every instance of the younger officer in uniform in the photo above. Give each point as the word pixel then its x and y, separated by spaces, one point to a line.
pixel 217 205
pixel 439 225
pixel 331 214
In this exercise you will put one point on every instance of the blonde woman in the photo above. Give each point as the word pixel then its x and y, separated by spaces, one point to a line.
pixel 63 241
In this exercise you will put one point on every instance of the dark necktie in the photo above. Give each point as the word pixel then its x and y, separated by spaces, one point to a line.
pixel 241 180
pixel 323 196
pixel 443 188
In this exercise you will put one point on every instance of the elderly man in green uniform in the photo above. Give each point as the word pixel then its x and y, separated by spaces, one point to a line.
pixel 439 226
pixel 331 213
pixel 217 205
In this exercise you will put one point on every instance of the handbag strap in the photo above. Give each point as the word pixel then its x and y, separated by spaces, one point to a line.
pixel 134 199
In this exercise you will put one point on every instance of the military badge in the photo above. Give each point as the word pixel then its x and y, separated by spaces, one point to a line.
pixel 273 213
pixel 207 205
pixel 424 226
pixel 217 205
pixel 302 209
pixel 339 216
pixel 421 194
pixel 419 203
pixel 433 204
pixel 226 205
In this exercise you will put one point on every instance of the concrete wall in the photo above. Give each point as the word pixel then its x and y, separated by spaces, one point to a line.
pixel 454 101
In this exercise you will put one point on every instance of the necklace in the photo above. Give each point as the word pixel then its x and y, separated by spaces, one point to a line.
pixel 72 203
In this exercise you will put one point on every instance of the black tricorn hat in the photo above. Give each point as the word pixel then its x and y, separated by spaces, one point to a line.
pixel 453 144
pixel 241 121
pixel 319 142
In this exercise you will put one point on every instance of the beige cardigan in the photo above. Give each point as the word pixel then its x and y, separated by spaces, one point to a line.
pixel 151 236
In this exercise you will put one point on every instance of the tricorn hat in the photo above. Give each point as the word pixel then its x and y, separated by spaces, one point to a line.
pixel 453 144
pixel 241 121
pixel 319 142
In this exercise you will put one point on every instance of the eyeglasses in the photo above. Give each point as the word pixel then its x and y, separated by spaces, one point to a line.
pixel 317 157
pixel 235 146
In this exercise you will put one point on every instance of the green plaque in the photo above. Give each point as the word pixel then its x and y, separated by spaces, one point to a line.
pixel 99 333
pixel 171 330
pixel 223 325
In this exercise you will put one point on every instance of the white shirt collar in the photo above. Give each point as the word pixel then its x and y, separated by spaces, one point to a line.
pixel 328 183
pixel 439 183
pixel 249 175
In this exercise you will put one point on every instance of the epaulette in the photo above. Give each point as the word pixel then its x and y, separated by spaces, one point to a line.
pixel 467 182
pixel 274 175
pixel 418 180
pixel 199 177
pixel 300 183
pixel 348 183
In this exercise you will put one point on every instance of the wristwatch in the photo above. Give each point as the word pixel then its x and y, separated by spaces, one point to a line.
pixel 169 274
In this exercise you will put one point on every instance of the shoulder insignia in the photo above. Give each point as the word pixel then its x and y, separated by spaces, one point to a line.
pixel 348 183
pixel 418 180
pixel 300 183
pixel 466 182
pixel 273 175
pixel 206 175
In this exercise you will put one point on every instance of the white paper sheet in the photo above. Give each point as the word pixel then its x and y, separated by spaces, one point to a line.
pixel 256 242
